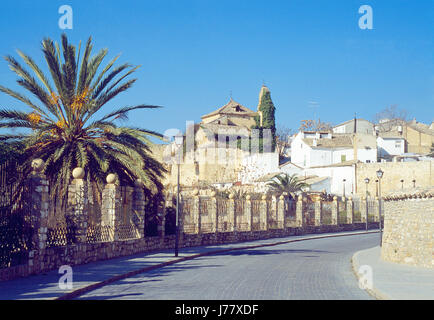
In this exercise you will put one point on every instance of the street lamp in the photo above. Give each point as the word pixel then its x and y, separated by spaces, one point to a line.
pixel 366 182
pixel 402 184
pixel 414 183
pixel 179 142
pixel 380 175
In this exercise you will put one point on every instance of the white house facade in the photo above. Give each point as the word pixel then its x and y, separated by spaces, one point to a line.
pixel 390 146
pixel 312 149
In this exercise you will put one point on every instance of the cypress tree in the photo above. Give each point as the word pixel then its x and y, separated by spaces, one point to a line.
pixel 266 107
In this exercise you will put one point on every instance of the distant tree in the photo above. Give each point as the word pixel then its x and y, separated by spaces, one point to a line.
pixel 390 117
pixel 11 151
pixel 315 125
pixel 282 136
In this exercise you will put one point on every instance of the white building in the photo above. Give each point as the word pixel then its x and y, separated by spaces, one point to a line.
pixel 312 149
pixel 390 145
pixel 355 126
pixel 257 165
pixel 342 177
pixel 290 168
pixel 332 155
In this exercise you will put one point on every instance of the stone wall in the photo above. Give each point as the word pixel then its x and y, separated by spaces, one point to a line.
pixel 409 228
pixel 203 221
pixel 420 171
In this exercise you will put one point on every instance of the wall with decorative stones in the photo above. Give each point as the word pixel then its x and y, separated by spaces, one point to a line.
pixel 409 228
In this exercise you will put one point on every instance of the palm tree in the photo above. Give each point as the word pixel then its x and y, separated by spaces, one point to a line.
pixel 62 127
pixel 285 183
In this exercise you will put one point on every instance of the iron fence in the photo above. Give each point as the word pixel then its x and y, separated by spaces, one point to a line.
pixel 16 230
pixel 60 236
pixel 189 228
pixel 239 207
pixel 242 226
pixel 309 214
pixel 207 228
pixel 97 233
pixel 126 232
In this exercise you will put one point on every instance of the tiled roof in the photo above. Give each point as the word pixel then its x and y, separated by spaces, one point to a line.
pixel 337 141
pixel 343 140
pixel 352 120
pixel 390 135
pixel 421 127
pixel 233 108
pixel 340 164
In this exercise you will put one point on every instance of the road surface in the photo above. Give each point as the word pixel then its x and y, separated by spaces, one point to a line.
pixel 311 269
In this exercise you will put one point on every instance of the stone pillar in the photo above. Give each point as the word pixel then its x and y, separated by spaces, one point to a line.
pixel 342 209
pixel 281 212
pixel 248 212
pixel 212 211
pixel 77 208
pixel 335 209
pixel 299 221
pixel 138 217
pixel 231 213
pixel 362 207
pixel 263 214
pixel 37 198
pixel 350 211
pixel 318 213
pixel 111 207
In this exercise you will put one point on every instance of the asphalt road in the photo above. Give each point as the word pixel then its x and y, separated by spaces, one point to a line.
pixel 312 269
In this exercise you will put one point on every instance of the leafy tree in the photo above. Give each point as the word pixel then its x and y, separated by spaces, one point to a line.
pixel 282 135
pixel 286 183
pixel 62 127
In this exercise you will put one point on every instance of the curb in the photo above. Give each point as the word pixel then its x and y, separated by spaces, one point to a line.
pixel 375 293
pixel 81 291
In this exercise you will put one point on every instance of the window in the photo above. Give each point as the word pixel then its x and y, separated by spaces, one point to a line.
pixel 398 144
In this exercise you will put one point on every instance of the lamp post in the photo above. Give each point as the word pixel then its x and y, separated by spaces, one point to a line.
pixel 402 183
pixel 414 183
pixel 179 141
pixel 366 182
pixel 376 187
pixel 380 175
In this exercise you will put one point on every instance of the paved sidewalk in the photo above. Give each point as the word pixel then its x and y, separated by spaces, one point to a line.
pixel 393 281
pixel 95 274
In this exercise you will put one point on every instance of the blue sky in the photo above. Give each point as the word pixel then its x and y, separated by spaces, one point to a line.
pixel 194 53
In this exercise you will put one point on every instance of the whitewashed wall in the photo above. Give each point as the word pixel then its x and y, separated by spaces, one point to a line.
pixel 387 146
pixel 337 174
pixel 257 165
